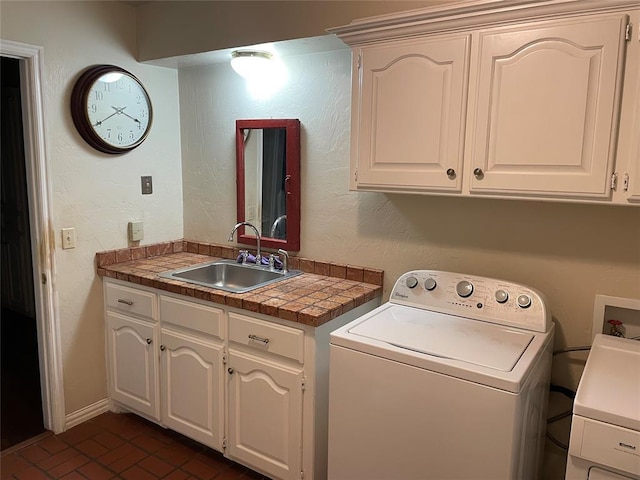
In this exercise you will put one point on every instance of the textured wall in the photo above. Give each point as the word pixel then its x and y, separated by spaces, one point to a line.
pixel 93 192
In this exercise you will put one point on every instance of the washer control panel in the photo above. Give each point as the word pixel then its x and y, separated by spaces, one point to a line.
pixel 480 298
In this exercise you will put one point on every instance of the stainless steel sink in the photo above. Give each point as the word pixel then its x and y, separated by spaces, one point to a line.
pixel 229 276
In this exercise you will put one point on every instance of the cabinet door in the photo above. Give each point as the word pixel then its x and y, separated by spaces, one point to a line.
pixel 409 108
pixel 265 414
pixel 133 363
pixel 191 380
pixel 629 178
pixel 547 100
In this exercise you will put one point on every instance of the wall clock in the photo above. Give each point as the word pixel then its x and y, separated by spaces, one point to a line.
pixel 111 109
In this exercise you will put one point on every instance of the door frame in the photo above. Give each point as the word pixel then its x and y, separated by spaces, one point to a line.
pixel 42 235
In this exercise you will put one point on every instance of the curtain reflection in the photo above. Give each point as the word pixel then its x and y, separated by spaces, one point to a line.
pixel 273 183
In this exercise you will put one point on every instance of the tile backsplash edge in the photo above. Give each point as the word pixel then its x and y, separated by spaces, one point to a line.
pixel 350 272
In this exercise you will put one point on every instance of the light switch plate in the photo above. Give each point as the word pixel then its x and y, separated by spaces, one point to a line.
pixel 147 185
pixel 135 231
pixel 68 238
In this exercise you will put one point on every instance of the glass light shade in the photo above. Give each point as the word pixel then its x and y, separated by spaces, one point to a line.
pixel 250 63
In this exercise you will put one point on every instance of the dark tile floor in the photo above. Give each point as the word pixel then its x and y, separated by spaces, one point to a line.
pixel 119 446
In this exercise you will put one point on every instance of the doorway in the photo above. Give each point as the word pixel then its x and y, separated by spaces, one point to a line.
pixel 21 409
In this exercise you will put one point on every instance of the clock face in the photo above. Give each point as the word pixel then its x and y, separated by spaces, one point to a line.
pixel 111 109
pixel 118 109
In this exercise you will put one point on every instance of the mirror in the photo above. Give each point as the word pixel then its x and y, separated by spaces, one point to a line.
pixel 268 181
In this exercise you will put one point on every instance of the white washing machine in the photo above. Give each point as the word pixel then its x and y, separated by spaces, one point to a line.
pixel 605 429
pixel 447 380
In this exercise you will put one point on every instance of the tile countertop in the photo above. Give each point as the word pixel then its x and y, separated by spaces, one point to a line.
pixel 323 292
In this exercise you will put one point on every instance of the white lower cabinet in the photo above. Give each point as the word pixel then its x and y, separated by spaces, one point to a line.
pixel 265 414
pixel 251 386
pixel 191 369
pixel 191 398
pixel 133 363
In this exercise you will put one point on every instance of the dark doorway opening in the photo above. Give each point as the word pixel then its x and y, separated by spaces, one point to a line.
pixel 21 414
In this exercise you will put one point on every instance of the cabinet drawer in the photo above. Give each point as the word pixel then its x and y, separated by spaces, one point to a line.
pixel 268 337
pixel 201 318
pixel 130 300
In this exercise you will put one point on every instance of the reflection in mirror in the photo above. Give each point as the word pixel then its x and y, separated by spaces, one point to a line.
pixel 268 181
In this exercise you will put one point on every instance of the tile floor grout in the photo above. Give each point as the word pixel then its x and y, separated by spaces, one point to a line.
pixel 119 446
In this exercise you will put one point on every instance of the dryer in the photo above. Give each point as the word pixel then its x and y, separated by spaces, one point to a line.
pixel 605 427
pixel 447 380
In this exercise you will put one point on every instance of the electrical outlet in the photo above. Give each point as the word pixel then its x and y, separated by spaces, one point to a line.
pixel 68 238
pixel 625 310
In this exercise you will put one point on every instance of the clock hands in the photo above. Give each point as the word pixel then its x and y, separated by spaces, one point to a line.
pixel 118 111
pixel 121 110
pixel 99 122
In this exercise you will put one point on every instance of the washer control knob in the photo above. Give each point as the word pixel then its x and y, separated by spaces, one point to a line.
pixel 412 282
pixel 430 284
pixel 524 301
pixel 501 296
pixel 464 289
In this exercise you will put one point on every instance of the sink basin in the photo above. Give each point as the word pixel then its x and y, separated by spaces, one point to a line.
pixel 229 276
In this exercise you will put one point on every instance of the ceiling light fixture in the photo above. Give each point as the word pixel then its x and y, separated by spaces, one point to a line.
pixel 250 63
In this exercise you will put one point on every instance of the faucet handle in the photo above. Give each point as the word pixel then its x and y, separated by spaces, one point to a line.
pixel 285 260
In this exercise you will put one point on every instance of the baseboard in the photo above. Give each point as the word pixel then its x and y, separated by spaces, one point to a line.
pixel 86 413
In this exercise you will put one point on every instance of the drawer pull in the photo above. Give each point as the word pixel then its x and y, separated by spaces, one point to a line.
pixel 148 341
pixel 478 173
pixel 451 173
pixel 126 302
pixel 258 339
pixel 163 348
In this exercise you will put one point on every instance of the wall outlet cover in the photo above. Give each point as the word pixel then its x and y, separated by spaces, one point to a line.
pixel 135 231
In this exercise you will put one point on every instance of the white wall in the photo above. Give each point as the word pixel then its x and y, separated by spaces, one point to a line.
pixel 93 192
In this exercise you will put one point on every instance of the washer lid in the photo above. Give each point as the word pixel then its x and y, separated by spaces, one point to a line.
pixel 446 336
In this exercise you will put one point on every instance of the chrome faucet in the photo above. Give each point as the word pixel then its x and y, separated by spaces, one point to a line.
pixel 247 224
pixel 285 260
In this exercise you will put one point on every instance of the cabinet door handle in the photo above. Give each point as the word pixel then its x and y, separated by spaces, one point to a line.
pixel 126 302
pixel 478 173
pixel 230 370
pixel 451 173
pixel 258 339
pixel 148 341
pixel 163 348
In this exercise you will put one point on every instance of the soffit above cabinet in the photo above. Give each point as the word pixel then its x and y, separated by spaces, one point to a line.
pixel 170 28
pixel 323 43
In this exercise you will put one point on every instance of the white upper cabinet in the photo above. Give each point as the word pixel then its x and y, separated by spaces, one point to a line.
pixel 410 113
pixel 547 98
pixel 528 101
